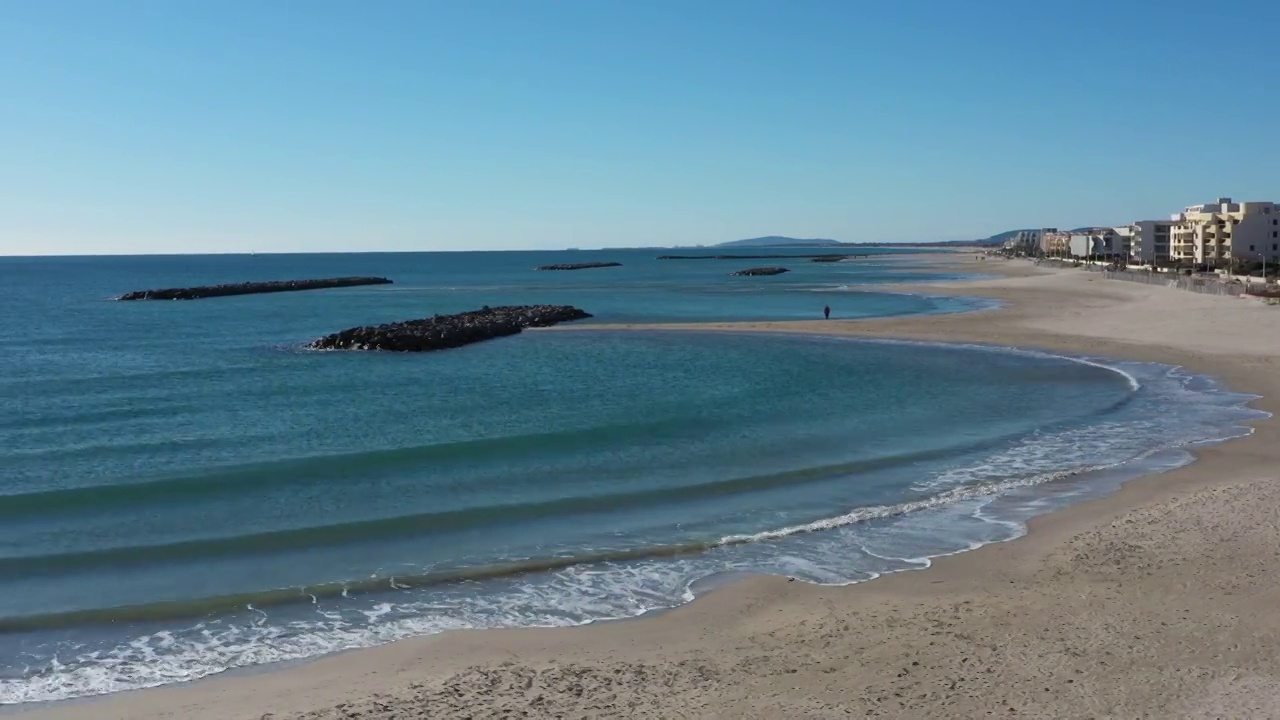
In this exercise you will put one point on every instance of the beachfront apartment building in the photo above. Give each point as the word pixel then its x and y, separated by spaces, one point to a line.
pixel 1150 244
pixel 1225 232
pixel 1221 234
pixel 1054 243
pixel 1026 242
pixel 1123 241
pixel 1099 244
pixel 1018 243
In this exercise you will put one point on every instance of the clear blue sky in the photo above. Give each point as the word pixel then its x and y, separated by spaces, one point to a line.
pixel 182 126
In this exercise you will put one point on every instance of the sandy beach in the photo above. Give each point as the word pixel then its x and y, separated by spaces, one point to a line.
pixel 1158 601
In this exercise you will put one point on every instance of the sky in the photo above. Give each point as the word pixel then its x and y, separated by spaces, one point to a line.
pixel 291 126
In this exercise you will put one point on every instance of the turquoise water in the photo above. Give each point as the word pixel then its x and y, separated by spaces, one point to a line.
pixel 183 490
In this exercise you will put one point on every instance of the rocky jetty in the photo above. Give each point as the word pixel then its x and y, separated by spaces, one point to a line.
pixel 251 288
pixel 449 331
pixel 579 266
pixel 762 257
pixel 761 271
pixel 828 258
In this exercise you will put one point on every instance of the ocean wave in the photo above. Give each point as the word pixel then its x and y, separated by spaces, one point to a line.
pixel 96 416
pixel 417 524
pixel 859 515
pixel 160 658
pixel 119 384
pixel 306 470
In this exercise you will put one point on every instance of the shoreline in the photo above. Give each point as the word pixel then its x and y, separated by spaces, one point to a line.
pixel 749 648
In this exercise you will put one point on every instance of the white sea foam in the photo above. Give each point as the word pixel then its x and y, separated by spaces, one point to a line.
pixel 948 497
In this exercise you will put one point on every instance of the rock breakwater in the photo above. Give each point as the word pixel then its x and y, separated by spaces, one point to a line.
pixel 841 256
pixel 761 271
pixel 251 288
pixel 442 332
pixel 579 266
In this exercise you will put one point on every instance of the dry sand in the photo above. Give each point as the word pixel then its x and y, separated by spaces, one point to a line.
pixel 1160 601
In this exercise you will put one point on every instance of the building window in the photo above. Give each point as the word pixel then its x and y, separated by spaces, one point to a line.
pixel 1250 248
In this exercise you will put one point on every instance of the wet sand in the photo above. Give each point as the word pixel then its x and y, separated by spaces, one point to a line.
pixel 1158 601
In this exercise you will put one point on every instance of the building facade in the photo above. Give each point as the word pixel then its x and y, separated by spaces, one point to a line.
pixel 1151 244
pixel 1055 244
pixel 1099 244
pixel 1027 242
pixel 1223 233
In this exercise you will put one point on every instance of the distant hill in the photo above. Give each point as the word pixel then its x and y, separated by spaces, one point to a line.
pixel 778 240
pixel 961 243
pixel 783 241
pixel 1000 238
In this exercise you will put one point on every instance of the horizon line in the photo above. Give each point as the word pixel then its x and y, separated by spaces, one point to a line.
pixel 921 243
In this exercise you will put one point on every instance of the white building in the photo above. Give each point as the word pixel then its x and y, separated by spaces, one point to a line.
pixel 1026 242
pixel 1099 244
pixel 1150 244
pixel 1124 241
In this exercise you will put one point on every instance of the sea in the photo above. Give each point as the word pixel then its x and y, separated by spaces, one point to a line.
pixel 186 490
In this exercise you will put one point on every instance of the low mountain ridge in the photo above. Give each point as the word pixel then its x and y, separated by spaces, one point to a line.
pixel 780 240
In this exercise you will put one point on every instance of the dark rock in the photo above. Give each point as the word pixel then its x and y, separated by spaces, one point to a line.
pixel 449 331
pixel 761 271
pixel 579 266
pixel 250 288
pixel 828 258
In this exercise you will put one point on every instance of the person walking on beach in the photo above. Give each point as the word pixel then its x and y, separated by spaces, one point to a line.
pixel 826 312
